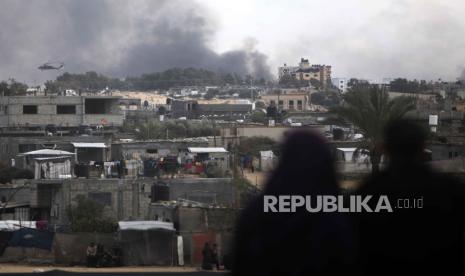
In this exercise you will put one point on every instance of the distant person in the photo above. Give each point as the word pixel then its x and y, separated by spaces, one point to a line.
pixel 296 243
pixel 100 255
pixel 426 240
pixel 215 259
pixel 91 254
pixel 207 255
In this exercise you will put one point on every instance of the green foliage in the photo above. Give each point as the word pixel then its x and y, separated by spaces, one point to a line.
pixel 370 109
pixel 326 98
pixel 253 146
pixel 175 129
pixel 260 105
pixel 356 84
pixel 87 216
pixel 167 79
pixel 12 88
pixel 258 116
pixel 246 191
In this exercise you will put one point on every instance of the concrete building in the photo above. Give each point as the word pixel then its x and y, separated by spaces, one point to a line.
pixel 61 111
pixel 306 72
pixel 123 199
pixel 341 84
pixel 192 109
pixel 12 146
pixel 155 148
pixel 288 102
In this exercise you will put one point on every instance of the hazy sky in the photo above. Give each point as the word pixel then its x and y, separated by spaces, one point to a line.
pixel 360 38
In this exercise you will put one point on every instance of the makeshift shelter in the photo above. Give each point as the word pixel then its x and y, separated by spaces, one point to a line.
pixel 43 153
pixel 52 167
pixel 147 242
pixel 203 154
pixel 86 152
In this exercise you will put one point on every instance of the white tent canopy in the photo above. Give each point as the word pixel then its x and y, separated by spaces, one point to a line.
pixel 89 145
pixel 145 225
pixel 47 152
pixel 206 150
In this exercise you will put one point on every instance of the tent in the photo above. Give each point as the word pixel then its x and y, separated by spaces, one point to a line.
pixel 147 242
pixel 52 167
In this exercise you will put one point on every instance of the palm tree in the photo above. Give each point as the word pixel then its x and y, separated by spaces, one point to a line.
pixel 369 109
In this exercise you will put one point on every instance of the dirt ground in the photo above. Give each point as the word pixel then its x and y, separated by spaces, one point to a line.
pixel 20 268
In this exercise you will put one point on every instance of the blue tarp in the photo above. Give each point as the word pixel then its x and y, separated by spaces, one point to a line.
pixel 27 237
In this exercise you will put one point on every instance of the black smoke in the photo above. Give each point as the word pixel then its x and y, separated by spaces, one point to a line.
pixel 115 37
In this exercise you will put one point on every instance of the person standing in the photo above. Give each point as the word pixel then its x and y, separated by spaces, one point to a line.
pixel 424 233
pixel 207 257
pixel 296 243
pixel 215 258
pixel 91 254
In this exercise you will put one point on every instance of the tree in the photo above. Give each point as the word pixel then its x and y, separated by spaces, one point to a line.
pixel 12 88
pixel 253 146
pixel 258 116
pixel 87 216
pixel 370 110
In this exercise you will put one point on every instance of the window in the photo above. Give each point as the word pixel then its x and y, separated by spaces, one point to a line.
pixel 291 104
pixel 151 150
pixel 29 109
pixel 299 105
pixel 66 109
pixel 272 102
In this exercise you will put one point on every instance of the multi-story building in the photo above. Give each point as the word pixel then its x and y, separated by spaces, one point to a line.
pixel 341 84
pixel 306 72
pixel 61 111
pixel 288 102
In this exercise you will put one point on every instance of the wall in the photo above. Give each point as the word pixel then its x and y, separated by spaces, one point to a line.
pixel 130 198
pixel 46 111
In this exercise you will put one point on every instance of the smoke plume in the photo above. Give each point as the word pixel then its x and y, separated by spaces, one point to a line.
pixel 115 37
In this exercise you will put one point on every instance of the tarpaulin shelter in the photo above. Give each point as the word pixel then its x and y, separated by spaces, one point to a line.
pixel 28 237
pixel 147 242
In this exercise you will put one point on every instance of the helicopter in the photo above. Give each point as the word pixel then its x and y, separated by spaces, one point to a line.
pixel 51 66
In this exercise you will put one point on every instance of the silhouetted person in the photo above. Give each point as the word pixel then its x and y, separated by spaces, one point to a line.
pixel 408 241
pixel 215 259
pixel 298 243
pixel 207 255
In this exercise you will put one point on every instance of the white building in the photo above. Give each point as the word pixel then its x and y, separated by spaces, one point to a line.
pixel 341 84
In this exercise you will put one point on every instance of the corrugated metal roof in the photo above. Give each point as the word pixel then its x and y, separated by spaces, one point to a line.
pixel 11 225
pixel 51 158
pixel 89 145
pixel 206 150
pixel 145 225
pixel 47 152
